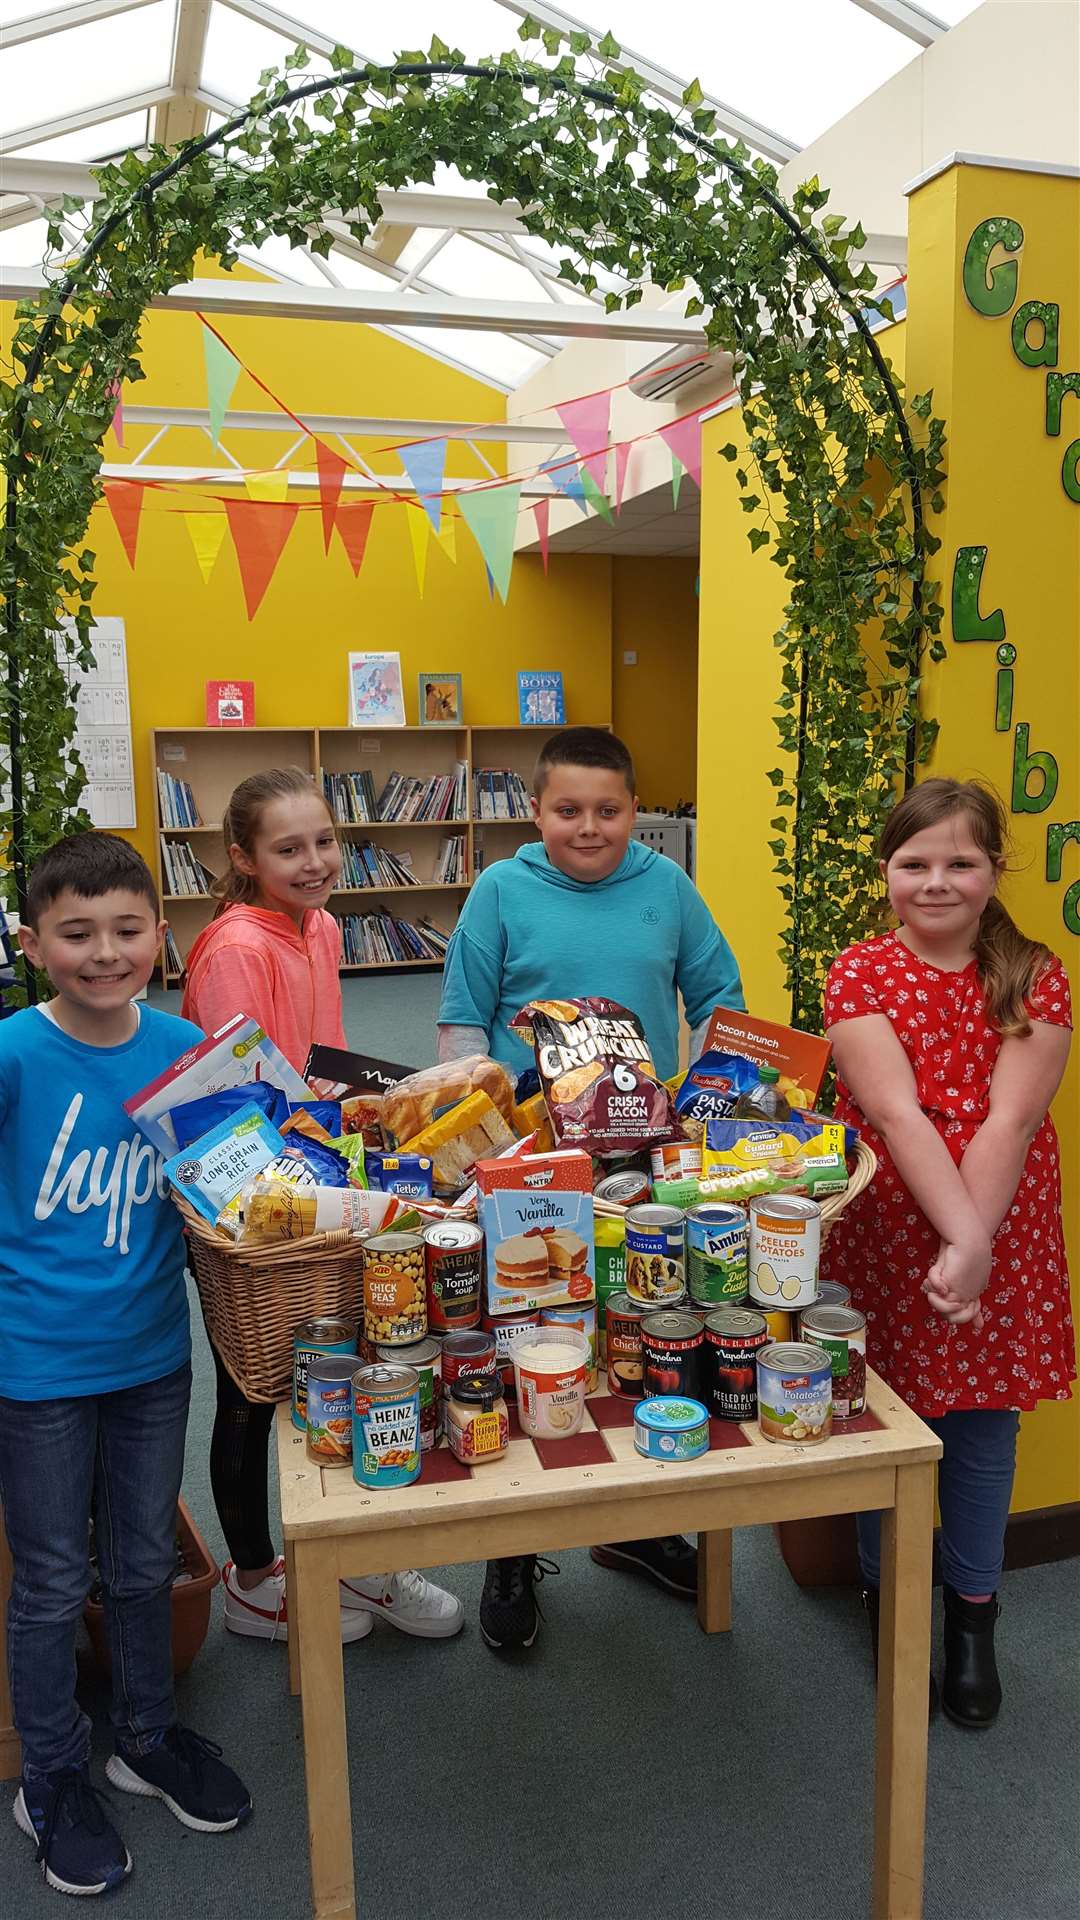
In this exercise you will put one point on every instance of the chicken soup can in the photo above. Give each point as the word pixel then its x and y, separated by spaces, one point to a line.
pixel 470 1352
pixel 625 1366
pixel 655 1254
pixel 676 1160
pixel 584 1319
pixel 453 1256
pixel 717 1240
pixel 626 1189
pixel 785 1246
pixel 313 1340
pixel 734 1336
pixel 841 1333
pixel 425 1357
pixel 794 1386
pixel 504 1332
pixel 671 1346
pixel 386 1425
pixel 329 1409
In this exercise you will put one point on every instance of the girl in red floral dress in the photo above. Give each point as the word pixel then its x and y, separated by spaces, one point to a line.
pixel 950 1038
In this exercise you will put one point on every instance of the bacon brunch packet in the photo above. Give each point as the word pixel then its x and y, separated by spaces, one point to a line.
pixel 597 1075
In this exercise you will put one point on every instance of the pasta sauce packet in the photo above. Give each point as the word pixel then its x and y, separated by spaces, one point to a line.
pixel 597 1075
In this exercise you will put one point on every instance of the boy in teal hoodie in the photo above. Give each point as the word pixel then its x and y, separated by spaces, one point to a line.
pixel 590 911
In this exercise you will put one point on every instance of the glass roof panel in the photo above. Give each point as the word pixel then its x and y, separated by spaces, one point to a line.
pixel 462 267
pixel 277 256
pixel 379 33
pixel 23 246
pixel 495 356
pixel 237 51
pixel 99 142
pixel 44 80
pixel 27 9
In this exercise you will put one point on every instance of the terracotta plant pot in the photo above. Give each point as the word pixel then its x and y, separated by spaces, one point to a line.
pixel 190 1600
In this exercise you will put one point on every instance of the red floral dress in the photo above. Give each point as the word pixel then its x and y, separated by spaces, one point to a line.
pixel 883 1245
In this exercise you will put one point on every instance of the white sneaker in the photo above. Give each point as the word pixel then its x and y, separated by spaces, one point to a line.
pixel 261 1612
pixel 408 1601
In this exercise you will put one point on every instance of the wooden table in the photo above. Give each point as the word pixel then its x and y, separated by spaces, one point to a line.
pixel 335 1528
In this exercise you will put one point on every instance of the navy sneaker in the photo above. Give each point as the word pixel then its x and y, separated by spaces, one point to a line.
pixel 671 1561
pixel 78 1848
pixel 510 1614
pixel 188 1773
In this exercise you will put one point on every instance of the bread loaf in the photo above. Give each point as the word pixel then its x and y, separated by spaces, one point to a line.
pixel 412 1105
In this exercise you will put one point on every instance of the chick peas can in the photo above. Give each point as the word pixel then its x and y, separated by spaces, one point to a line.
pixel 785 1247
pixel 395 1296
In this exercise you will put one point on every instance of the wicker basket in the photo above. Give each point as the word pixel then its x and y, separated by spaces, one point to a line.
pixel 864 1170
pixel 254 1298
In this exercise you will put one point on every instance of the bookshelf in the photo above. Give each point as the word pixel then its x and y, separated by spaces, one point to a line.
pixel 213 760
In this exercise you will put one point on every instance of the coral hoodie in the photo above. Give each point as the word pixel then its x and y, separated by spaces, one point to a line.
pixel 257 962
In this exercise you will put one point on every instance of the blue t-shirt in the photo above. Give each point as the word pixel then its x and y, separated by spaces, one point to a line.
pixel 92 1292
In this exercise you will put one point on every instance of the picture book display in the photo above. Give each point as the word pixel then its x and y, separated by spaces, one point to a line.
pixel 230 703
pixel 440 699
pixel 540 700
pixel 376 698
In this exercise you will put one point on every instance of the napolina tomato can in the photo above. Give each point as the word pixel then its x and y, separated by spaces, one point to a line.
pixel 671 1345
pixel 734 1337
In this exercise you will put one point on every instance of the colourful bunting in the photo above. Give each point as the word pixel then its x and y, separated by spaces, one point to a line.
pixel 588 423
pixel 597 500
pixel 259 531
pixel 223 370
pixel 206 532
pixel 425 464
pixel 623 452
pixel 125 504
pixel 448 537
pixel 542 512
pixel 331 469
pixel 567 479
pixel 490 581
pixel 676 480
pixel 491 516
pixel 273 486
pixel 353 525
pixel 419 536
pixel 683 440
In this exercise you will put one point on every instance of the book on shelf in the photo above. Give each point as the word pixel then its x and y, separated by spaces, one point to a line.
pixel 379 939
pixel 173 959
pixel 500 794
pixel 182 871
pixel 351 798
pixel 451 867
pixel 363 864
pixel 406 798
pixel 176 802
pixel 540 700
pixel 230 703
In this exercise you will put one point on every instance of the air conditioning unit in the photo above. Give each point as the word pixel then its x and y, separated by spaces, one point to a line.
pixel 674 370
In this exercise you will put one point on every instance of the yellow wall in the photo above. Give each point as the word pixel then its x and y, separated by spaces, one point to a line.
pixel 655 615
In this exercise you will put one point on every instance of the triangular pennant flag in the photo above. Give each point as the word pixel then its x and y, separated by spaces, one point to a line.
pixel 683 439
pixel 206 532
pixel 597 500
pixel 259 531
pixel 490 581
pixel 115 392
pixel 223 370
pixel 448 537
pixel 676 479
pixel 354 525
pixel 272 486
pixel 491 516
pixel 425 464
pixel 622 462
pixel 542 511
pixel 331 469
pixel 125 504
pixel 568 481
pixel 419 535
pixel 588 424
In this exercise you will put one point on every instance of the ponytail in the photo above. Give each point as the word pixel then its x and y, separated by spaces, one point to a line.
pixel 240 827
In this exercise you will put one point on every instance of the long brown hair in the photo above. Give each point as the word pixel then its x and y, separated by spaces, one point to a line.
pixel 240 827
pixel 1007 962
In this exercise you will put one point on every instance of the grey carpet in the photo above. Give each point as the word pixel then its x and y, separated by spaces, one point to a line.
pixel 628 1763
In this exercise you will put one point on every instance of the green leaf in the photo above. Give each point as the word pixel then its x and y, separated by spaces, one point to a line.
pixel 757 538
pixel 608 48
pixel 692 95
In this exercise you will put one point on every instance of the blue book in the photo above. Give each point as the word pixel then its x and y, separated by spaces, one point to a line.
pixel 540 700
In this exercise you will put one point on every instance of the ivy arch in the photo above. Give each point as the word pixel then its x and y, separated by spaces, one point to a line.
pixel 833 477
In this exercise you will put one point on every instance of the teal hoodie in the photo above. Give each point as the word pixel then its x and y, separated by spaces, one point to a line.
pixel 643 936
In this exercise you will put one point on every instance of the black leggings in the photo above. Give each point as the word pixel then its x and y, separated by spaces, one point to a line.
pixel 238 1472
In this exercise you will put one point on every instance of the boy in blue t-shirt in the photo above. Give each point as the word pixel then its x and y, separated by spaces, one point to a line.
pixel 589 912
pixel 95 1367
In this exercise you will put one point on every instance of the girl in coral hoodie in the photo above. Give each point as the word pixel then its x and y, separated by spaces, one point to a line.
pixel 273 951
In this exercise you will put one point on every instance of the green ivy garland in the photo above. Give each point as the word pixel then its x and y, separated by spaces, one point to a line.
pixel 834 478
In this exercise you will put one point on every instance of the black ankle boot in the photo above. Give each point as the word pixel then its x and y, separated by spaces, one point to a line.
pixel 972 1692
pixel 871 1599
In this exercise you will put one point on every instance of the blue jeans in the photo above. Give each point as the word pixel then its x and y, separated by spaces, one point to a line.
pixel 119 1456
pixel 975 1479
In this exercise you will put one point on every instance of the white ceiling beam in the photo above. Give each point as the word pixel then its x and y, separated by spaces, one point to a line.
pixel 48 179
pixel 81 13
pixel 366 426
pixel 293 30
pixel 184 116
pixel 408 209
pixel 390 483
pixel 913 22
pixel 85 117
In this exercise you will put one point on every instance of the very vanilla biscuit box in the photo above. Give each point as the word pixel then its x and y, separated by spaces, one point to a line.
pixel 537 1215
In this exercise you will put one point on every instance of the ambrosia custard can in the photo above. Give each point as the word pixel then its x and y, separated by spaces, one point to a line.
pixel 716 1255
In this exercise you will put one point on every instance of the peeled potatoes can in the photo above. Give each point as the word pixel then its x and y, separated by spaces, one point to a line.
pixel 785 1248
pixel 551 1369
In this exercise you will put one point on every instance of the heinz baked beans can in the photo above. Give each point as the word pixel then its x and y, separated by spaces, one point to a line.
pixel 717 1236
pixel 453 1252
pixel 329 1409
pixel 386 1425
pixel 655 1254
pixel 734 1336
pixel 841 1333
pixel 313 1340
pixel 785 1245
pixel 671 1345
pixel 625 1366
pixel 395 1300
pixel 794 1387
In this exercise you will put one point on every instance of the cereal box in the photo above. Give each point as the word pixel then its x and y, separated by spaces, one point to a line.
pixel 537 1215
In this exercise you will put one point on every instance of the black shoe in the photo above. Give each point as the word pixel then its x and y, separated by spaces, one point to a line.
pixel 671 1561
pixel 509 1612
pixel 78 1848
pixel 972 1692
pixel 871 1600
pixel 188 1773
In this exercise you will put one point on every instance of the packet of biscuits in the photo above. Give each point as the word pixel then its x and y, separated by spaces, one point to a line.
pixel 597 1075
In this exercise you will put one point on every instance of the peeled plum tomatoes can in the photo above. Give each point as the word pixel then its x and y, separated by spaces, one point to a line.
pixel 785 1245
pixel 841 1332
pixel 655 1254
pixel 734 1336
pixel 425 1357
pixel 395 1301
pixel 313 1340
pixel 794 1385
pixel 625 1367
pixel 386 1425
pixel 716 1255
pixel 453 1253
pixel 671 1345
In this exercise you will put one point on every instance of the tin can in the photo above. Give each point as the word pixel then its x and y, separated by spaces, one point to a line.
pixel 676 1160
pixel 470 1352
pixel 733 1339
pixel 395 1299
pixel 425 1357
pixel 454 1259
pixel 671 1429
pixel 504 1332
pixel 627 1189
pixel 625 1365
pixel 329 1409
pixel 841 1332
pixel 655 1254
pixel 386 1425
pixel 831 1294
pixel 781 1324
pixel 584 1319
pixel 717 1237
pixel 794 1384
pixel 785 1245
pixel 671 1347
pixel 311 1341
pixel 609 1265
